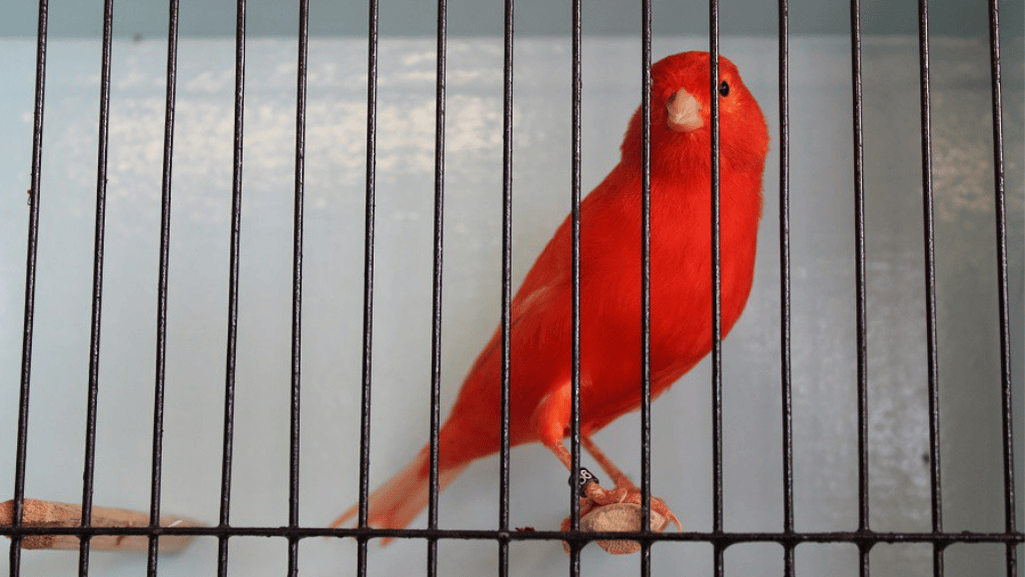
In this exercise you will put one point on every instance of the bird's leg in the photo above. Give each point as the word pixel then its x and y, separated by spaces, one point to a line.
pixel 552 415
pixel 593 495
pixel 585 481
pixel 619 479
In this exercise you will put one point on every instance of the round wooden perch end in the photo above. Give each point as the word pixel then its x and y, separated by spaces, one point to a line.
pixel 619 517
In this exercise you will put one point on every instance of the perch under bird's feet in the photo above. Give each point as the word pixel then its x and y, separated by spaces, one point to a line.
pixel 619 509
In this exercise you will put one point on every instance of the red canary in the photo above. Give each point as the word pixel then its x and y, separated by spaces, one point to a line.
pixel 610 291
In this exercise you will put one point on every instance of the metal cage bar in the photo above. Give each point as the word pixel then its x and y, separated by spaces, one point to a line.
pixel 162 282
pixel 786 383
pixel 577 84
pixel 436 300
pixel 507 290
pixel 859 266
pixel 368 289
pixel 32 245
pixel 930 285
pixel 233 277
pixel 717 457
pixel 645 376
pixel 88 474
pixel 297 288
pixel 999 194
pixel 725 539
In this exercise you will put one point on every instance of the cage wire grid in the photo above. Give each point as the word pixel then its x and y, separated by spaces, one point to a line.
pixel 864 538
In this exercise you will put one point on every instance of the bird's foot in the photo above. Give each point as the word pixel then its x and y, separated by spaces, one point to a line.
pixel 619 509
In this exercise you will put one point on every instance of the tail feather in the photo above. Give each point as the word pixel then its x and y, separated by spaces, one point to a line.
pixel 395 504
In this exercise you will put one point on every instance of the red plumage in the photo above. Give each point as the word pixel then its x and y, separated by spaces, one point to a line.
pixel 610 285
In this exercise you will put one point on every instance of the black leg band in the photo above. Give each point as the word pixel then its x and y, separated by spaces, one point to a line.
pixel 582 480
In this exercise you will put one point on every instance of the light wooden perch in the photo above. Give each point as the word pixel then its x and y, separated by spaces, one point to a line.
pixel 618 517
pixel 36 513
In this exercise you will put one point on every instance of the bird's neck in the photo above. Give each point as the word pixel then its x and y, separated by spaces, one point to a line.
pixel 685 185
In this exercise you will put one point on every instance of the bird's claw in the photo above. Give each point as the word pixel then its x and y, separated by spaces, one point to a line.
pixel 619 509
pixel 596 497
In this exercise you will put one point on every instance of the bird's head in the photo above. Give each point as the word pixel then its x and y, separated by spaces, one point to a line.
pixel 681 121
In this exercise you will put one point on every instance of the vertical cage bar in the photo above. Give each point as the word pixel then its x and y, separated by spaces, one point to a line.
pixel 645 282
pixel 297 287
pixel 88 475
pixel 786 384
pixel 574 511
pixel 439 242
pixel 930 284
pixel 233 274
pixel 717 468
pixel 30 289
pixel 1006 391
pixel 507 208
pixel 368 290
pixel 165 250
pixel 859 248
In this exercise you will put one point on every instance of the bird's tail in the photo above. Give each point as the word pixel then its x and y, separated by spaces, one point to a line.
pixel 395 504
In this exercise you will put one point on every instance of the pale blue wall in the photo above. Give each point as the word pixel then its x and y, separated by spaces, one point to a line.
pixel 823 297
pixel 76 18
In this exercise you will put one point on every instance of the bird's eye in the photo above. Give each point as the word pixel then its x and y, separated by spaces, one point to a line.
pixel 724 89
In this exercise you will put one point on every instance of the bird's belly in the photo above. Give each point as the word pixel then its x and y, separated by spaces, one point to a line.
pixel 680 332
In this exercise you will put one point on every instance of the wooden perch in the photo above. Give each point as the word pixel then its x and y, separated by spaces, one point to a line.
pixel 619 517
pixel 36 513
